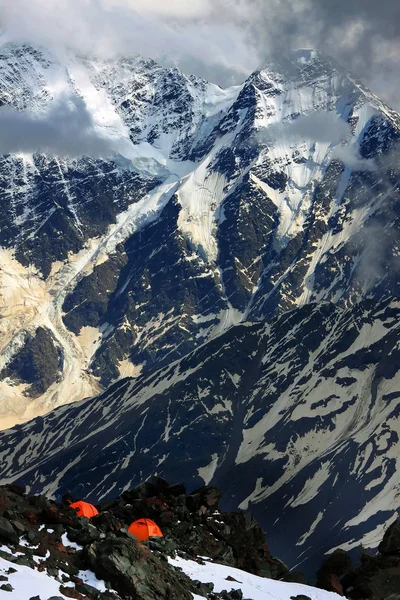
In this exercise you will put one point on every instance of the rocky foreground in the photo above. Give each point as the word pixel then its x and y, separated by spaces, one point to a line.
pixel 99 560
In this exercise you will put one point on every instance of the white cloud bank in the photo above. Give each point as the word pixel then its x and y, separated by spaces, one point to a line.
pixel 223 40
pixel 66 128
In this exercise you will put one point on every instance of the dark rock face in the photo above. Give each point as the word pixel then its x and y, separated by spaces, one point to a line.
pixel 391 540
pixel 7 532
pixel 88 303
pixel 130 566
pixel 376 578
pixel 160 289
pixel 68 204
pixel 334 568
pixel 38 363
pixel 250 220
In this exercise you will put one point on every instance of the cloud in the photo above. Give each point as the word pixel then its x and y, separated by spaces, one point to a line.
pixel 364 35
pixel 192 33
pixel 324 127
pixel 350 157
pixel 223 40
pixel 319 127
pixel 65 129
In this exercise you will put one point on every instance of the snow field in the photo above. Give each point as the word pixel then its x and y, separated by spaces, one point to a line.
pixel 252 586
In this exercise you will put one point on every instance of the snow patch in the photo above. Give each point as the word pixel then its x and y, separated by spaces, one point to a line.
pixel 252 586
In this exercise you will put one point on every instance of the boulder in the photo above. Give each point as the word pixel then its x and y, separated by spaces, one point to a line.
pixel 19 527
pixel 70 593
pixel 176 490
pixel 87 590
pixel 131 568
pixel 86 534
pixel 391 540
pixel 333 584
pixel 143 490
pixel 203 589
pixel 295 577
pixel 15 489
pixel 7 532
pixel 40 502
pixel 106 521
pixel 207 496
pixel 332 570
pixel 160 484
pixel 55 516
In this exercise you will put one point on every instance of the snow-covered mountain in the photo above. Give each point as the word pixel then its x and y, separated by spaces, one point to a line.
pixel 212 207
pixel 296 420
pixel 236 251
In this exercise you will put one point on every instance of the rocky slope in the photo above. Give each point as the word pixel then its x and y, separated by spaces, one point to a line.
pixel 47 552
pixel 98 559
pixel 291 418
pixel 207 207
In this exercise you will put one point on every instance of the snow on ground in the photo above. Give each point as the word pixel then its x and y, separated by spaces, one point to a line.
pixel 27 582
pixel 252 586
pixel 91 579
pixel 67 543
pixel 200 196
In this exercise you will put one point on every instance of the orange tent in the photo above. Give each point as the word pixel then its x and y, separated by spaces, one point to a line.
pixel 142 529
pixel 84 509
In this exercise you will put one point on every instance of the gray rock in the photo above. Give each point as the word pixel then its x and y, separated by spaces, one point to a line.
pixel 203 589
pixel 53 572
pixel 85 535
pixel 24 562
pixel 134 570
pixel 87 590
pixel 32 537
pixel 295 577
pixel 7 532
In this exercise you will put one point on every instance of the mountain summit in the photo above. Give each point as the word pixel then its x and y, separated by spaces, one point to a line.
pixel 209 207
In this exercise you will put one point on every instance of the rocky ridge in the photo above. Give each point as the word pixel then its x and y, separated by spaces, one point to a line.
pixel 43 535
pixel 98 560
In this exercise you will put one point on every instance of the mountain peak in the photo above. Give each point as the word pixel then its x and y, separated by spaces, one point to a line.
pixel 302 64
pixel 305 55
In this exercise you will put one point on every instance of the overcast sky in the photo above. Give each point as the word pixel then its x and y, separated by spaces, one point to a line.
pixel 223 40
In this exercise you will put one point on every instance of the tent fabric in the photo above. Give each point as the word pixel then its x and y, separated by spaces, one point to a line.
pixel 84 509
pixel 143 529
